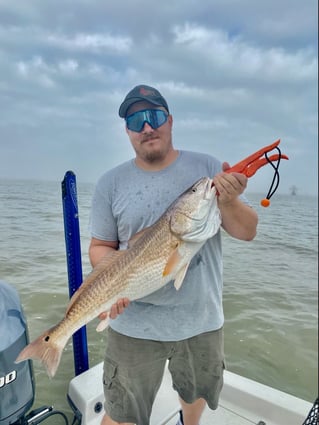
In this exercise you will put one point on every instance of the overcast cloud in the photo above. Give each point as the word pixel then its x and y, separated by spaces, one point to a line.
pixel 237 75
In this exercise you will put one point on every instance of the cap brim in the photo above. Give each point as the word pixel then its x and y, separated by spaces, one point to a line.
pixel 128 103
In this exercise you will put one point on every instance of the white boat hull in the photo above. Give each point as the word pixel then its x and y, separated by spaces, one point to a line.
pixel 242 402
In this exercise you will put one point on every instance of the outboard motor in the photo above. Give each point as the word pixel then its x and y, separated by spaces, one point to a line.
pixel 17 388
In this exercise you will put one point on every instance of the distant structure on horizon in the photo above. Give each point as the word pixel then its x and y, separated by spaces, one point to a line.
pixel 293 190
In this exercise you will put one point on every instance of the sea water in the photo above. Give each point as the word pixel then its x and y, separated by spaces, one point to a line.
pixel 270 286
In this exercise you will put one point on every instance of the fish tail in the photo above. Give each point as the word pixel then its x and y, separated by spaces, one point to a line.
pixel 46 349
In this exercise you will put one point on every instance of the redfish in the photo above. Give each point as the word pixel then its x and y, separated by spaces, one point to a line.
pixel 155 256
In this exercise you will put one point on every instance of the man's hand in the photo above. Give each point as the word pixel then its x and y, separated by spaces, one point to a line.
pixel 117 308
pixel 238 219
pixel 229 185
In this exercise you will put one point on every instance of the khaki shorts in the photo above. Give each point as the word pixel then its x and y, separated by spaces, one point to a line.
pixel 133 370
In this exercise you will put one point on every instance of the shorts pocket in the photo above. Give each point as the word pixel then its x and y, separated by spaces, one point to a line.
pixel 218 369
pixel 113 390
pixel 110 369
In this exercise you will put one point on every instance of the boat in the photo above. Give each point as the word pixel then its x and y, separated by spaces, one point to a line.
pixel 243 401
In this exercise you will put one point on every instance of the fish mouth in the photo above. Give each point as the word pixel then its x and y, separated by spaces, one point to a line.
pixel 209 189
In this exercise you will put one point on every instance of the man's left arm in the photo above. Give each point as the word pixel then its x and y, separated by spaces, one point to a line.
pixel 238 219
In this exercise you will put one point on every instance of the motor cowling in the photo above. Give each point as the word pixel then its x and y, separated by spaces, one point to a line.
pixel 17 388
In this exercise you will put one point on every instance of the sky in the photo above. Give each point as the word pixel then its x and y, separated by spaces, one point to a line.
pixel 237 75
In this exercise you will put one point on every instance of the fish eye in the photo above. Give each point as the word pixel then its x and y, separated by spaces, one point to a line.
pixel 194 189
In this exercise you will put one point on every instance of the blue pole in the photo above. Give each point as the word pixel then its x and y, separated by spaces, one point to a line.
pixel 74 265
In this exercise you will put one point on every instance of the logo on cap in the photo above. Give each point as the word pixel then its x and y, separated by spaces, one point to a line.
pixel 146 92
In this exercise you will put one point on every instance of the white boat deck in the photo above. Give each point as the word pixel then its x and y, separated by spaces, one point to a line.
pixel 242 402
pixel 221 416
pixel 167 402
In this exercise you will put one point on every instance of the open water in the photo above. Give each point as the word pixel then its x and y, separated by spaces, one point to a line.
pixel 270 286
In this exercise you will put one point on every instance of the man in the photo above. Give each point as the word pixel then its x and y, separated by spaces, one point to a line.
pixel 184 327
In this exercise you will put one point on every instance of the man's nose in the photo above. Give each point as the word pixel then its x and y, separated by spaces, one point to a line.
pixel 147 128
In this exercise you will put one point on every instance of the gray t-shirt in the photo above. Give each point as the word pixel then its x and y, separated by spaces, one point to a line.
pixel 128 199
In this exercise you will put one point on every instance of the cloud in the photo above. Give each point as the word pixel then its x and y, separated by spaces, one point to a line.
pixel 222 51
pixel 68 66
pixel 234 81
pixel 97 43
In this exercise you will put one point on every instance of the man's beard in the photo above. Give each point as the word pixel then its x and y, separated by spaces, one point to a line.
pixel 153 155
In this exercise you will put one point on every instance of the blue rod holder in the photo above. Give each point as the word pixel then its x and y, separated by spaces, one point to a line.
pixel 74 264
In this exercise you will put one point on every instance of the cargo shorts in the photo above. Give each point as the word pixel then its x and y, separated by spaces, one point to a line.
pixel 133 371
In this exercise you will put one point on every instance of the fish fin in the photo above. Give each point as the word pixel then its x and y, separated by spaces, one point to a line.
pixel 180 277
pixel 106 261
pixel 172 262
pixel 103 324
pixel 44 349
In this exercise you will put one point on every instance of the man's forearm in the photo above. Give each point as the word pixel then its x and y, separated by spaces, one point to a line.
pixel 97 252
pixel 239 220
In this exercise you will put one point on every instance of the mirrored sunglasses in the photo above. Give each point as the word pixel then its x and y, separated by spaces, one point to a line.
pixel 154 117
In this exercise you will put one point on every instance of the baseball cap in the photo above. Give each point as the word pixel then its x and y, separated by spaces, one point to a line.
pixel 139 93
